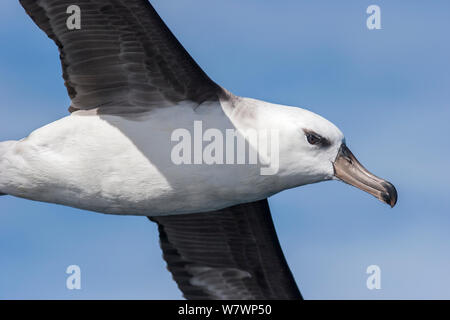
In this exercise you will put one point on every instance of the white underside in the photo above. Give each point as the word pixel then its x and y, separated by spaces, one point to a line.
pixel 116 165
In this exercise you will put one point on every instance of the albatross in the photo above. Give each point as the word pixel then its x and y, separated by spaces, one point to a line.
pixel 132 85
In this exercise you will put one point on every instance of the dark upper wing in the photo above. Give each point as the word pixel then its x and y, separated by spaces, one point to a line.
pixel 124 59
pixel 231 253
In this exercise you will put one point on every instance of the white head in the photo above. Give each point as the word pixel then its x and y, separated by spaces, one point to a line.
pixel 309 145
pixel 312 149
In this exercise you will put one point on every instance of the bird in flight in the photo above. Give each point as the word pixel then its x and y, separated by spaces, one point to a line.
pixel 133 87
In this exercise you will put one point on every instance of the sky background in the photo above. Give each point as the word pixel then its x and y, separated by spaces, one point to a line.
pixel 388 90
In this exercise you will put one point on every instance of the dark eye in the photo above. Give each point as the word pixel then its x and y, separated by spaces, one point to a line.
pixel 313 138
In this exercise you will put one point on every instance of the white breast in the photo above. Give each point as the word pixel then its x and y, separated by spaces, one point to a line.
pixel 116 165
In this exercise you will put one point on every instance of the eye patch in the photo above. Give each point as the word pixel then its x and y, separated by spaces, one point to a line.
pixel 314 138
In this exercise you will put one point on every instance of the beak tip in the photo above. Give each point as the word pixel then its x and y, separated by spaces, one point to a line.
pixel 390 197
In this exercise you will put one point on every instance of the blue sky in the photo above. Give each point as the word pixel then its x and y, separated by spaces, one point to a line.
pixel 388 90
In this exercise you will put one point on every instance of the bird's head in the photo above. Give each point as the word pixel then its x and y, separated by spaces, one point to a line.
pixel 319 152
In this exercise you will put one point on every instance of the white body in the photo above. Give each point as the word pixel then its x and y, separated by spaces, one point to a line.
pixel 119 165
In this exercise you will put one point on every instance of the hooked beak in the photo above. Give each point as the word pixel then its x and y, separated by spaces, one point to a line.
pixel 348 169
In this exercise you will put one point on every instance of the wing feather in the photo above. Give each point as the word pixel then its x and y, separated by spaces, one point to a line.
pixel 124 59
pixel 233 253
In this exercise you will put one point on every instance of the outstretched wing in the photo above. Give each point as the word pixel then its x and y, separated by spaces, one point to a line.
pixel 123 59
pixel 231 253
